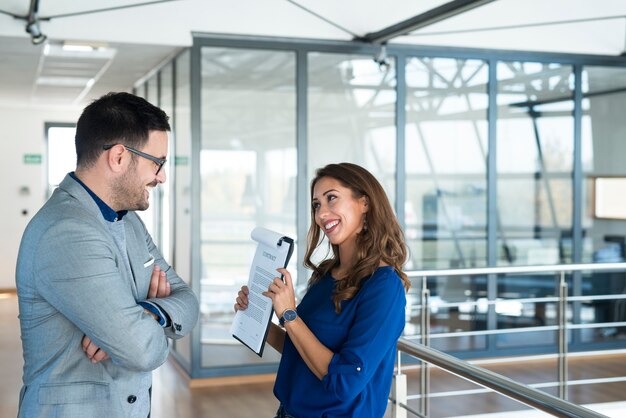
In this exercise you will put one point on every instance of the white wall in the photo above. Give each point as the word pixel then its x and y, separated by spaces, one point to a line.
pixel 23 133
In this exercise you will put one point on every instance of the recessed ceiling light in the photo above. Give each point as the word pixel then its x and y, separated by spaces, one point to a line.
pixel 86 46
pixel 62 81
pixel 77 48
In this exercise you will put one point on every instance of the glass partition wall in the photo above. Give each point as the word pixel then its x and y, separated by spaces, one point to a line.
pixel 603 149
pixel 488 158
pixel 446 157
pixel 446 188
pixel 535 154
pixel 248 170
pixel 351 117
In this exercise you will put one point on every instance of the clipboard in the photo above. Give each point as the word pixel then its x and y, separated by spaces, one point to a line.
pixel 252 325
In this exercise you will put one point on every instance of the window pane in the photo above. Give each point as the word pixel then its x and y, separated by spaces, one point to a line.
pixel 534 163
pixel 446 149
pixel 153 215
pixel 604 90
pixel 181 158
pixel 182 161
pixel 61 154
pixel 351 117
pixel 166 101
pixel 248 173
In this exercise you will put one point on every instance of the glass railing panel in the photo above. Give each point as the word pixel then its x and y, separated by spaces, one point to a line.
pixel 460 343
pixel 436 384
pixel 602 308
pixel 452 396
pixel 549 315
pixel 457 307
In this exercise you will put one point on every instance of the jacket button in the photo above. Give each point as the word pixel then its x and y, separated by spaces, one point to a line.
pixel 131 399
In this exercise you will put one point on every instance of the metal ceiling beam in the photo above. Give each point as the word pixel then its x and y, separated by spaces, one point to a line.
pixel 445 11
pixel 570 97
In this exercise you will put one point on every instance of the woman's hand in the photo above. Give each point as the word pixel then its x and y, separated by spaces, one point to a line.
pixel 281 293
pixel 316 356
pixel 241 303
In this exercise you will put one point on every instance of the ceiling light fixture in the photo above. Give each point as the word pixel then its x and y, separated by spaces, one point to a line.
pixel 32 24
pixel 33 20
pixel 382 60
pixel 77 48
pixel 34 30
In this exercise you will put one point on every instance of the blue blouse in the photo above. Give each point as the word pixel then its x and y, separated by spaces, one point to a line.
pixel 363 337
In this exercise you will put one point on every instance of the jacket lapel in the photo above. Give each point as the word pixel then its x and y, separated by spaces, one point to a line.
pixel 134 248
pixel 139 259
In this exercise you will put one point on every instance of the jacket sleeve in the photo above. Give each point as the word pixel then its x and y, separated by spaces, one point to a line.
pixel 181 306
pixel 378 324
pixel 77 273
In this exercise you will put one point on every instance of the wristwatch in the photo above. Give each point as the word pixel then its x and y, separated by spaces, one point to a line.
pixel 289 315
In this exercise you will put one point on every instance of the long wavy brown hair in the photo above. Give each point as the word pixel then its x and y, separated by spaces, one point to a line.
pixel 382 240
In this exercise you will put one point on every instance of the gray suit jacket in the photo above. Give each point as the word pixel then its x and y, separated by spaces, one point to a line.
pixel 72 280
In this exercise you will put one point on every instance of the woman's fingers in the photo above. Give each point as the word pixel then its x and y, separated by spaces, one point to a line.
pixel 286 277
pixel 241 302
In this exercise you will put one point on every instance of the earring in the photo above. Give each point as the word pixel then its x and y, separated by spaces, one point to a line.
pixel 365 224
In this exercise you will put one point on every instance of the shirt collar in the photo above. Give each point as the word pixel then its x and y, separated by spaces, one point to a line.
pixel 108 213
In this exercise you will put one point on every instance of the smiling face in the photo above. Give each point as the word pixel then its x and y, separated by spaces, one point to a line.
pixel 132 191
pixel 337 212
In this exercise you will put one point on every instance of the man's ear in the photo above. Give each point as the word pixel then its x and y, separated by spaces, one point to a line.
pixel 115 158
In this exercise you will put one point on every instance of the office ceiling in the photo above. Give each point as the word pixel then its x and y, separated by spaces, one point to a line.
pixel 131 37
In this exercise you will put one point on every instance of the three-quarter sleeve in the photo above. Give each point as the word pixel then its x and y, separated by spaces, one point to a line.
pixel 378 323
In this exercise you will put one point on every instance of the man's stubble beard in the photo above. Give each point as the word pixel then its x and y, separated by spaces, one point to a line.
pixel 129 194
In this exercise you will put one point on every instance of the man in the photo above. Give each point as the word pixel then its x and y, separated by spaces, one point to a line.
pixel 97 300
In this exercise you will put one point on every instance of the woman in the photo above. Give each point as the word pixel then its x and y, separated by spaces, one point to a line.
pixel 338 347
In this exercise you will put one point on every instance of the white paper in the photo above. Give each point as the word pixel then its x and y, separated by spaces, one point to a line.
pixel 250 326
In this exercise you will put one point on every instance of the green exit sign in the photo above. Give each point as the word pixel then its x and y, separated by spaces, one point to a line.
pixel 32 158
pixel 181 160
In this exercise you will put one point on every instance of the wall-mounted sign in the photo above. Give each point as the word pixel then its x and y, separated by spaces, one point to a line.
pixel 181 160
pixel 32 158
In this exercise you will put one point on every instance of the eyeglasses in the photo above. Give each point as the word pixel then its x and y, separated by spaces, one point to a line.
pixel 160 162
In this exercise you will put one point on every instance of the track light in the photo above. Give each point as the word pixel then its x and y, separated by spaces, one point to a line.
pixel 382 60
pixel 36 37
pixel 32 24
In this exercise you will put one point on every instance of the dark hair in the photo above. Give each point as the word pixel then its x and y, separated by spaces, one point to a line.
pixel 381 241
pixel 116 118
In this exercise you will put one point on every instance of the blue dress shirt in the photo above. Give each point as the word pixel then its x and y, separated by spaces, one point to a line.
pixel 363 337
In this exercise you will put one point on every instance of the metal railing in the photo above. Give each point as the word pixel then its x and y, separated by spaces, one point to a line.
pixel 503 385
pixel 540 400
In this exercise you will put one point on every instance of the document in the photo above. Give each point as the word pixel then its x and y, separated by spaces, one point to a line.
pixel 273 251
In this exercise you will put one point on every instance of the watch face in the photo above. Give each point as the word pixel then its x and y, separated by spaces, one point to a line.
pixel 289 315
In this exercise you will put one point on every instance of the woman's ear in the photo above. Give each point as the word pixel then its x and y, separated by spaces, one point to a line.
pixel 365 203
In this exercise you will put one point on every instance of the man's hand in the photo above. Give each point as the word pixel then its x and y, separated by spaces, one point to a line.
pixel 92 351
pixel 159 286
